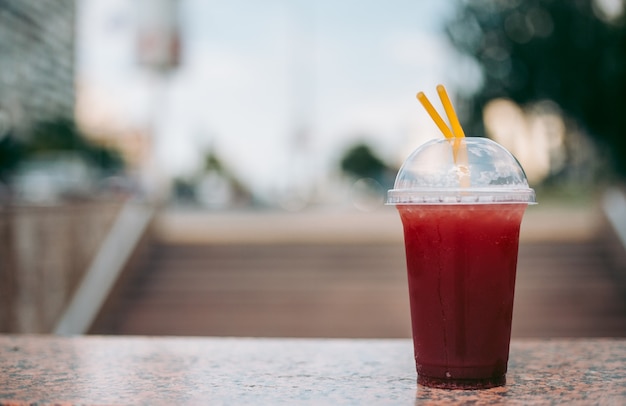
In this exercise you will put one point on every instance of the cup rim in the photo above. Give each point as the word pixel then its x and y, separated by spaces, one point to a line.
pixel 460 195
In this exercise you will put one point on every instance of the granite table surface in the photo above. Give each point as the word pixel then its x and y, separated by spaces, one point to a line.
pixel 40 369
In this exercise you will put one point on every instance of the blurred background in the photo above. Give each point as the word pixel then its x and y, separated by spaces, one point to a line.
pixel 190 167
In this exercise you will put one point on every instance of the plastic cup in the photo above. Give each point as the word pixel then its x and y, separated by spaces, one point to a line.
pixel 461 202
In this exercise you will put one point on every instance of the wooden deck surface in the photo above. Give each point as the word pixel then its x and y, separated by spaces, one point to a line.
pixel 565 288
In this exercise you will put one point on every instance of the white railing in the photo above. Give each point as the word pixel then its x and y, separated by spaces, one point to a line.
pixel 614 206
pixel 116 250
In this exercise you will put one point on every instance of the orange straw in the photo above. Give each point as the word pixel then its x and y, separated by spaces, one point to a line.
pixel 434 115
pixel 452 117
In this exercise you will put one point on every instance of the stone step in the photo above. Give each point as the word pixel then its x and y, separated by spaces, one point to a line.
pixel 564 289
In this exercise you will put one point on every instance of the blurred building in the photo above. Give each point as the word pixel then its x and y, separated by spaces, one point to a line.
pixel 152 26
pixel 36 62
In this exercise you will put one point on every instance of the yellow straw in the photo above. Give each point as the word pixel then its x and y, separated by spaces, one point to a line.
pixel 460 158
pixel 452 117
pixel 434 115
pixel 459 149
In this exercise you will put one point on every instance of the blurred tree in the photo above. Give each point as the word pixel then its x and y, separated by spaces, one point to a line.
pixel 213 163
pixel 63 135
pixel 571 52
pixel 11 153
pixel 361 162
pixel 55 135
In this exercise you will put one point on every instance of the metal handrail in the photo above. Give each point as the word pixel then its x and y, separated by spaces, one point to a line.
pixel 117 248
pixel 614 206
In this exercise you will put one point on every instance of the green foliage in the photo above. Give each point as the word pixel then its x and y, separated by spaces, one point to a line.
pixel 57 135
pixel 107 159
pixel 11 153
pixel 361 162
pixel 213 163
pixel 564 51
pixel 63 135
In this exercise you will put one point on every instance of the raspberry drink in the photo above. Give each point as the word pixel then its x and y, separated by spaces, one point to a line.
pixel 461 264
pixel 461 202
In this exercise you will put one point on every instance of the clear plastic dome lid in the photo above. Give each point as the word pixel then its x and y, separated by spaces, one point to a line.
pixel 464 170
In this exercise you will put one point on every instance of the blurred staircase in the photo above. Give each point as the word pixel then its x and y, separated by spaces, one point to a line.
pixel 294 290
pixel 199 280
pixel 568 289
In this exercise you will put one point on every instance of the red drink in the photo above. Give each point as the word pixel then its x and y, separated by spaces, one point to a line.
pixel 461 263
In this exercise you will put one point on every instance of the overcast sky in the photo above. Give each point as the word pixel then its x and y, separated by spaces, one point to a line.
pixel 254 73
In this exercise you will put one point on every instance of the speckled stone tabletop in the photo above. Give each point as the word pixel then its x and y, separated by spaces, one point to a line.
pixel 157 370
